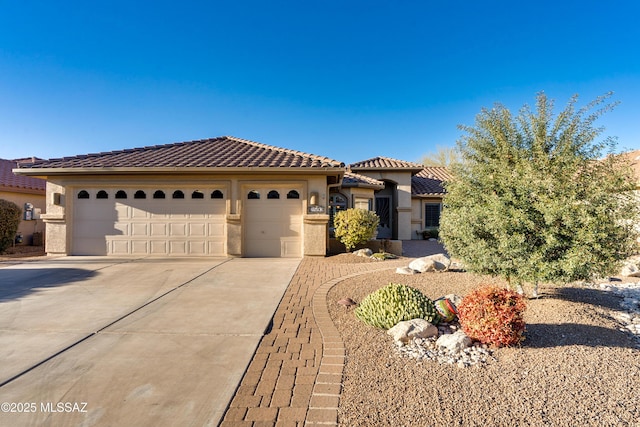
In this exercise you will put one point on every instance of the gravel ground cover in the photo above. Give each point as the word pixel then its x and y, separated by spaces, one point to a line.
pixel 577 366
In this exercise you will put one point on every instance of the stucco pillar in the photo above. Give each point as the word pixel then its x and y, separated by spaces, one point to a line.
pixel 57 235
pixel 315 234
pixel 234 235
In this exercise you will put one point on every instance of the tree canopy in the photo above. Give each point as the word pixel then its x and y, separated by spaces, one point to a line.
pixel 538 197
pixel 443 156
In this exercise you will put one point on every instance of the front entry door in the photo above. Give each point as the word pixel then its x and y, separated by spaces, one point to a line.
pixel 384 211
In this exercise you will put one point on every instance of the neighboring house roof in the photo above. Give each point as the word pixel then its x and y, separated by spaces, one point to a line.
pixel 12 182
pixel 385 163
pixel 428 182
pixel 222 152
pixel 634 159
pixel 352 179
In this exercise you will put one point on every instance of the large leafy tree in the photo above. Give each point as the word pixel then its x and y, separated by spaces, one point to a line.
pixel 443 156
pixel 538 197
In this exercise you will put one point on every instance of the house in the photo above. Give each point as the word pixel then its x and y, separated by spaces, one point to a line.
pixel 24 191
pixel 219 197
pixel 410 198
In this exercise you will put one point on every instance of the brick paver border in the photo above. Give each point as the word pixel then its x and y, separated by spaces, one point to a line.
pixel 325 397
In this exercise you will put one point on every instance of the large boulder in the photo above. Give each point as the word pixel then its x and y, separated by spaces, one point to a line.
pixel 406 330
pixel 630 268
pixel 454 343
pixel 405 270
pixel 366 252
pixel 437 262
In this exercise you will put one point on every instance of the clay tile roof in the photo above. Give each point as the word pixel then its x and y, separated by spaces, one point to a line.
pixel 428 182
pixel 633 157
pixel 385 163
pixel 222 152
pixel 351 179
pixel 9 180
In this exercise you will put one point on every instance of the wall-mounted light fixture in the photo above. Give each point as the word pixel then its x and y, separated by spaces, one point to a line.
pixel 57 197
pixel 313 198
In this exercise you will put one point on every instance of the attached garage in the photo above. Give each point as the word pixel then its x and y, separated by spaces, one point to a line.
pixel 169 221
pixel 213 197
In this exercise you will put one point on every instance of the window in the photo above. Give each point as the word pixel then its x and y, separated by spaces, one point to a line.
pixel 197 195
pixel 360 203
pixel 159 194
pixel 273 194
pixel 217 194
pixel 432 214
pixel 178 194
pixel 83 194
pixel 293 194
pixel 102 195
pixel 140 195
pixel 253 194
pixel 121 194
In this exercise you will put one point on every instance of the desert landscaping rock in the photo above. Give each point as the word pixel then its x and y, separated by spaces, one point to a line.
pixel 363 252
pixel 437 262
pixel 407 330
pixel 629 318
pixel 454 343
pixel 347 302
pixel 405 270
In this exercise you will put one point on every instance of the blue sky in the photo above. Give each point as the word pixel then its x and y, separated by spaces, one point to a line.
pixel 346 79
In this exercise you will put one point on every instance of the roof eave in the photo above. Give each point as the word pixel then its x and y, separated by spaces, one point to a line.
pixel 44 172
pixel 387 169
pixel 361 185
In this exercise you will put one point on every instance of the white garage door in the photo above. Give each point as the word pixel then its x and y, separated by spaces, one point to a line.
pixel 273 222
pixel 149 222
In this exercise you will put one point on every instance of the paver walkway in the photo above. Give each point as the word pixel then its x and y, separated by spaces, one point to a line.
pixel 295 377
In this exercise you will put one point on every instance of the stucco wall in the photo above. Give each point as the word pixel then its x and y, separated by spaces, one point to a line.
pixel 27 228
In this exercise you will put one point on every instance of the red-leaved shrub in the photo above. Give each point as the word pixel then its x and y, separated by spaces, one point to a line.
pixel 493 315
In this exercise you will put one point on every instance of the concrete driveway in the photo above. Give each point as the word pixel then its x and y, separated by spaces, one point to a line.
pixel 147 342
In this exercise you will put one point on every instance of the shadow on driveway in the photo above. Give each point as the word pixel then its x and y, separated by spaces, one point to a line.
pixel 17 283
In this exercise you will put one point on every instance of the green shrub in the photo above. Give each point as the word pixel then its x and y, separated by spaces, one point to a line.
pixel 381 256
pixel 394 303
pixel 493 315
pixel 430 233
pixel 355 226
pixel 10 215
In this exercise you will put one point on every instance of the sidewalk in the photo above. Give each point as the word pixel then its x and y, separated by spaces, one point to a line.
pixel 295 376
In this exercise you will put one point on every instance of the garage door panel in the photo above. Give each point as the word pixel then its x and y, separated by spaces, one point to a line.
pixel 158 247
pixel 139 229
pixel 119 229
pixel 177 229
pixel 178 248
pixel 120 247
pixel 139 247
pixel 216 230
pixel 139 213
pixel 197 230
pixel 122 212
pixel 92 246
pixel 198 247
pixel 273 227
pixel 158 229
pixel 149 226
